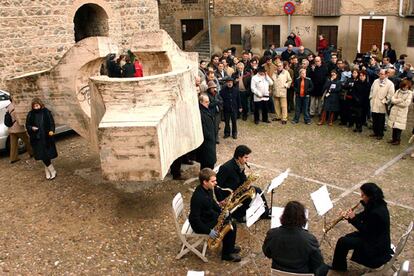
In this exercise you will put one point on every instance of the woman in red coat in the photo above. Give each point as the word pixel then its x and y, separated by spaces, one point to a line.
pixel 322 45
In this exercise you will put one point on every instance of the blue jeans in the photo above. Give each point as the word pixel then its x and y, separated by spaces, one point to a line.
pixel 302 105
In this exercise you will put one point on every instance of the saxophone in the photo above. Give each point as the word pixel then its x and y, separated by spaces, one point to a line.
pixel 232 202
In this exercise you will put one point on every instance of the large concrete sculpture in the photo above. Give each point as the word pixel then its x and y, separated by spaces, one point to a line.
pixel 139 126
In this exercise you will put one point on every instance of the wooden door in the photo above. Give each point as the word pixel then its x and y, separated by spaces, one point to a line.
pixel 270 35
pixel 189 28
pixel 330 33
pixel 371 33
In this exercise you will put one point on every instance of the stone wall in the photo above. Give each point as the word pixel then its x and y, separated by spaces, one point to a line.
pixel 35 34
pixel 173 11
pixel 254 14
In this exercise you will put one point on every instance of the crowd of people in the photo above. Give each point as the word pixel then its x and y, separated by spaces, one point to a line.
pixel 124 66
pixel 365 92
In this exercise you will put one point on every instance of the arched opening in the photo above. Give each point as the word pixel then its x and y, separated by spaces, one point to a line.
pixel 90 20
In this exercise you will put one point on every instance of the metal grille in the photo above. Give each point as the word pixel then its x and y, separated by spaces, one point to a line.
pixel 327 7
pixel 189 1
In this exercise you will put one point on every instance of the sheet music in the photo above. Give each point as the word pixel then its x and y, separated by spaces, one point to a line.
pixel 278 180
pixel 321 200
pixel 277 213
pixel 195 273
pixel 255 210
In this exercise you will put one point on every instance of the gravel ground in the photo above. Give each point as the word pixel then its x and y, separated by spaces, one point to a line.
pixel 79 224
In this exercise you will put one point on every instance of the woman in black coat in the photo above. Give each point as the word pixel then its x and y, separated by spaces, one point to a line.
pixel 332 89
pixel 372 242
pixel 360 101
pixel 40 126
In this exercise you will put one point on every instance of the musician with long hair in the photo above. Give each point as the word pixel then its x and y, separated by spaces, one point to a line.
pixel 371 243
pixel 231 175
pixel 204 214
pixel 291 247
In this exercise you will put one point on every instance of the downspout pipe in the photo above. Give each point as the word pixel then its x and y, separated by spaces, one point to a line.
pixel 400 10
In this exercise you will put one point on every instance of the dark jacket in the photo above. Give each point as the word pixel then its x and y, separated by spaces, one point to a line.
pixel 231 99
pixel 128 70
pixel 247 79
pixel 360 93
pixel 220 77
pixel 347 88
pixel 292 249
pixel 318 77
pixel 43 145
pixel 373 225
pixel 230 175
pixel 114 70
pixel 286 55
pixel 216 103
pixel 206 152
pixel 308 86
pixel 331 103
pixel 204 211
pixel 390 53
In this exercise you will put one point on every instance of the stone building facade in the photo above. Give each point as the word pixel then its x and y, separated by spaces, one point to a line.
pixel 35 34
pixel 177 15
pixel 348 23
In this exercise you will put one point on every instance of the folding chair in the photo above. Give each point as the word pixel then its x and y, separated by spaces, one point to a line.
pixel 190 240
pixel 404 269
pixel 397 251
pixel 276 272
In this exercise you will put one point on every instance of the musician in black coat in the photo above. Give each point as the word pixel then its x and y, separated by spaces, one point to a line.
pixel 231 176
pixel 371 243
pixel 291 247
pixel 231 106
pixel 206 153
pixel 204 213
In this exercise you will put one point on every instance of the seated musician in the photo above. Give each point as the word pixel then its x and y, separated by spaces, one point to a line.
pixel 231 175
pixel 371 243
pixel 204 212
pixel 291 247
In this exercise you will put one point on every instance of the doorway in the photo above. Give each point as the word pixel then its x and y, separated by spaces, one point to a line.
pixel 330 33
pixel 189 28
pixel 90 20
pixel 371 32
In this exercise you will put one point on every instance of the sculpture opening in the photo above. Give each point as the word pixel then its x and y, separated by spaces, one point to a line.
pixel 90 20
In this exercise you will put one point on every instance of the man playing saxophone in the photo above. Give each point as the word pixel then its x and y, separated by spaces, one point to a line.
pixel 205 211
pixel 371 243
pixel 231 175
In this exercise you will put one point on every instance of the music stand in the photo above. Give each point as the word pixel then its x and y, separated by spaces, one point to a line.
pixel 323 204
pixel 276 182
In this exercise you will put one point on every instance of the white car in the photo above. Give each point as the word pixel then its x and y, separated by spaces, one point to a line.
pixel 4 134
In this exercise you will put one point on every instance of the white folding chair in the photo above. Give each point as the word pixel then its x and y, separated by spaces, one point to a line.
pixel 190 240
pixel 404 269
pixel 397 251
pixel 276 272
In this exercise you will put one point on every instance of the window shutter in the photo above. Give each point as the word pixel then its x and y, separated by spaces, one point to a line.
pixel 327 7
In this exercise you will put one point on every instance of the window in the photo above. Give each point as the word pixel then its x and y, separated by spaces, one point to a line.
pixel 327 7
pixel 235 34
pixel 410 42
pixel 189 1
pixel 270 35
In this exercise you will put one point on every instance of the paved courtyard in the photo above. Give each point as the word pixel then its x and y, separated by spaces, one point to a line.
pixel 79 224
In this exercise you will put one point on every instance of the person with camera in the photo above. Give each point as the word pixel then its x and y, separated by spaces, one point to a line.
pixel 330 97
pixel 205 211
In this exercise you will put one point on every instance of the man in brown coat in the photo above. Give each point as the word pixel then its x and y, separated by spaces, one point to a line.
pixel 16 132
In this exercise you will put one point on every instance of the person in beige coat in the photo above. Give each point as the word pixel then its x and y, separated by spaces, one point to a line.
pixel 281 82
pixel 381 92
pixel 398 115
pixel 16 132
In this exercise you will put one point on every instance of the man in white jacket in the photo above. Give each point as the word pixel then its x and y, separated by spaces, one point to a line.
pixel 382 91
pixel 260 88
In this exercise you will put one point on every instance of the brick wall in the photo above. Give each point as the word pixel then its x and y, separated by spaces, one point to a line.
pixel 35 34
